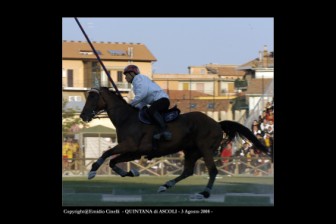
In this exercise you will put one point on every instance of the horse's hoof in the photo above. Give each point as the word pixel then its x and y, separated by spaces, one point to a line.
pixel 162 189
pixel 205 194
pixel 135 173
pixel 92 174
pixel 197 196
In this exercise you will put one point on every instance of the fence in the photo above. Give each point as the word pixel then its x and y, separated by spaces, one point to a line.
pixel 234 166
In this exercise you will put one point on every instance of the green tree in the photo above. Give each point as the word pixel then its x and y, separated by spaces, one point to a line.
pixel 70 119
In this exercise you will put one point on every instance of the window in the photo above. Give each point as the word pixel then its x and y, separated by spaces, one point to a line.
pixel 200 87
pixel 88 52
pixel 75 98
pixel 120 76
pixel 117 52
pixel 193 105
pixel 95 66
pixel 70 78
pixel 96 74
pixel 211 105
pixel 185 86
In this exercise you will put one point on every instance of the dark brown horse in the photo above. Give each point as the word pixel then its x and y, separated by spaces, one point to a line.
pixel 196 134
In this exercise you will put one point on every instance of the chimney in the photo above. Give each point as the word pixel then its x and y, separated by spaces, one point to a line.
pixel 130 52
pixel 260 59
pixel 265 55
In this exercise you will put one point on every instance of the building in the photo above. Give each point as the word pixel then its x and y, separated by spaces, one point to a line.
pixel 208 88
pixel 259 74
pixel 81 69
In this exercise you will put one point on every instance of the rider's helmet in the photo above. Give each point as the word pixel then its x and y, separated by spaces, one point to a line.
pixel 132 68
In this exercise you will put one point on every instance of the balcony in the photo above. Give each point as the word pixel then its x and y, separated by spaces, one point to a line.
pixel 123 86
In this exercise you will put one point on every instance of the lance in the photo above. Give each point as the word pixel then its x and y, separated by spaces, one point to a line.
pixel 100 61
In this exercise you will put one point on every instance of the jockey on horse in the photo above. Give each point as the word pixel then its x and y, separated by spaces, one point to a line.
pixel 146 93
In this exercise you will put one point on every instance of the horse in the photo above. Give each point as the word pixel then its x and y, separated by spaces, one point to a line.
pixel 194 133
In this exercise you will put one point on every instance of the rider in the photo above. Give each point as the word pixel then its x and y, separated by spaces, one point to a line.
pixel 148 92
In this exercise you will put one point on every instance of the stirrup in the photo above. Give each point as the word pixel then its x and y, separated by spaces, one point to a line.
pixel 157 136
pixel 165 134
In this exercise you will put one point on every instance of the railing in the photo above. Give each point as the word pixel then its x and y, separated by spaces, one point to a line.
pixel 233 166
pixel 242 118
pixel 123 85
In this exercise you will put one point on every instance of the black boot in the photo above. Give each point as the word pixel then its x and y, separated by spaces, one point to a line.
pixel 167 135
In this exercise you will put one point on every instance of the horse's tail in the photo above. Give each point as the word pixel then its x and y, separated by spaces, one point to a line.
pixel 232 129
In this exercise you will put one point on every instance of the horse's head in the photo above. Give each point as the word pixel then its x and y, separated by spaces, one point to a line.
pixel 93 106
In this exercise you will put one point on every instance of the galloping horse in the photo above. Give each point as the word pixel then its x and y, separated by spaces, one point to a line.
pixel 196 134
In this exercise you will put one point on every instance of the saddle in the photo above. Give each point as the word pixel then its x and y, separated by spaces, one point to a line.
pixel 168 116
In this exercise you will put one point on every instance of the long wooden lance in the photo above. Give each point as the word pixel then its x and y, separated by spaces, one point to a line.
pixel 100 61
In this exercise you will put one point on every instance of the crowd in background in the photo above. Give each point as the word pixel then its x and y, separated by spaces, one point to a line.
pixel 70 152
pixel 248 156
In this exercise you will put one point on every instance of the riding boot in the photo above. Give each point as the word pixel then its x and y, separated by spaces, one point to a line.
pixel 167 135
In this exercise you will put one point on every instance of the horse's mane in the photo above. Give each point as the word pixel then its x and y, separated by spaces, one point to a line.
pixel 120 97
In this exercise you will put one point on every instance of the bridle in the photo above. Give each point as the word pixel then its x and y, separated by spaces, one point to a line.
pixel 95 114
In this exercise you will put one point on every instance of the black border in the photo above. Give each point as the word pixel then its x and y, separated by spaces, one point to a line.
pixel 49 187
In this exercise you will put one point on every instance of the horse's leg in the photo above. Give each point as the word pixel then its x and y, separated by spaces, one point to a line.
pixel 124 158
pixel 98 163
pixel 188 170
pixel 212 170
pixel 208 148
pixel 118 149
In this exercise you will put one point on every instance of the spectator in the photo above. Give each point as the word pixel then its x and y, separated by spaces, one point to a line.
pixel 264 125
pixel 242 153
pixel 255 124
pixel 227 158
pixel 65 149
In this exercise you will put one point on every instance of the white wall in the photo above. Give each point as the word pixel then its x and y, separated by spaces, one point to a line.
pixel 95 146
pixel 264 74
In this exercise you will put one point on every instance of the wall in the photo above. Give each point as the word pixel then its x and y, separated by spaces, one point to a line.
pixel 78 72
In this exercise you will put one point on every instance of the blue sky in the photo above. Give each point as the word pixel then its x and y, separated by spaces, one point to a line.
pixel 181 42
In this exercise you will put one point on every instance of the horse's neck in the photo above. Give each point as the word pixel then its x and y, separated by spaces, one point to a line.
pixel 117 109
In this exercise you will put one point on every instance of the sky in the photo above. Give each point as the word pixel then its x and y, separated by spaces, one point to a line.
pixel 177 43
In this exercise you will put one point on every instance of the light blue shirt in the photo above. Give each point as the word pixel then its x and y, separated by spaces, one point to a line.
pixel 146 91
